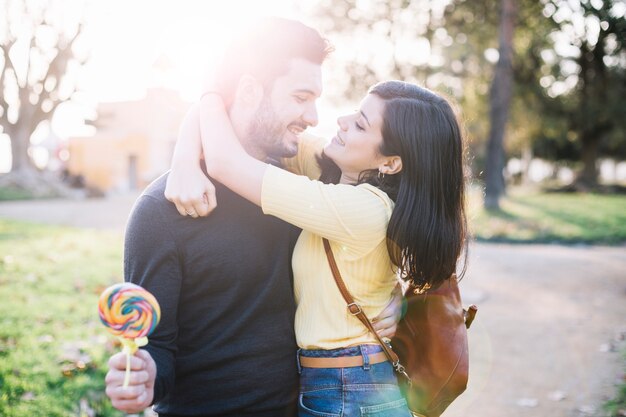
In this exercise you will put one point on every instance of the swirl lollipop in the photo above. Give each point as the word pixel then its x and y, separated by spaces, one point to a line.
pixel 131 313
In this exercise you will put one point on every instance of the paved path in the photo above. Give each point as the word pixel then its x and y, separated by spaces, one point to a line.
pixel 97 213
pixel 547 336
pixel 550 325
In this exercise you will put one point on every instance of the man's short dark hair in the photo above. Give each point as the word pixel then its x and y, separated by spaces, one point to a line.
pixel 265 50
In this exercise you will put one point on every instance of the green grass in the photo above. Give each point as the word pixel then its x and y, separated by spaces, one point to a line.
pixel 532 217
pixel 9 194
pixel 53 348
pixel 616 407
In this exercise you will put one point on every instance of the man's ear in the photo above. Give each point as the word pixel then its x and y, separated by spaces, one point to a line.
pixel 391 165
pixel 249 92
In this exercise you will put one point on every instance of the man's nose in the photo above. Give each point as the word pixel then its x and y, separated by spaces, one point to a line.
pixel 310 116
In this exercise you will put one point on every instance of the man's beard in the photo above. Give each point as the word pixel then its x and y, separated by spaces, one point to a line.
pixel 266 132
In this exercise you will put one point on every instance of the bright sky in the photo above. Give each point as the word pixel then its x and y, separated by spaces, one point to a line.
pixel 142 43
pixel 138 44
pixel 171 44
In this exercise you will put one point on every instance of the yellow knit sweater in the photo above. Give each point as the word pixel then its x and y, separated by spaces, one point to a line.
pixel 354 219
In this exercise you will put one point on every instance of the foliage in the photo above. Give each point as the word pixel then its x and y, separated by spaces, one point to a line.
pixel 379 39
pixel 584 72
pixel 53 349
pixel 445 46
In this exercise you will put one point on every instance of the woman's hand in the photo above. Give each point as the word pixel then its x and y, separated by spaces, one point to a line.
pixel 191 191
pixel 386 323
pixel 187 186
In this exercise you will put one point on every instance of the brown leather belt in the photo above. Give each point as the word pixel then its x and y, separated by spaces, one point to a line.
pixel 341 362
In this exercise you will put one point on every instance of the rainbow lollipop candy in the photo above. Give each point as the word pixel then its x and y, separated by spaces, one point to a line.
pixel 131 313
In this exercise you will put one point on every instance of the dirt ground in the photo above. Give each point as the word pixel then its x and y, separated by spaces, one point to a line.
pixel 549 330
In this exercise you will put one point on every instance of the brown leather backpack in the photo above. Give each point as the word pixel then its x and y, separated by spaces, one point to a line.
pixel 431 342
pixel 430 351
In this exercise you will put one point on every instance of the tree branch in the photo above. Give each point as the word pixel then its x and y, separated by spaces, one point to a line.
pixel 40 115
pixel 28 62
pixel 4 119
pixel 8 64
pixel 7 58
pixel 58 66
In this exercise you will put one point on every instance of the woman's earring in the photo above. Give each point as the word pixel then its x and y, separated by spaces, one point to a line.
pixel 381 176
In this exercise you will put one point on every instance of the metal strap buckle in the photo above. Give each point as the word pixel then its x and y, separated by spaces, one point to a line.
pixel 400 369
pixel 354 313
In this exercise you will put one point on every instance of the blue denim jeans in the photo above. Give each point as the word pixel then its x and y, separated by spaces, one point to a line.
pixel 368 390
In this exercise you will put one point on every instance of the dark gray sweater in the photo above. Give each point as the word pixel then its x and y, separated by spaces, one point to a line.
pixel 225 344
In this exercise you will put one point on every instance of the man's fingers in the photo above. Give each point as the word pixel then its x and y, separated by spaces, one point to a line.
pixel 135 397
pixel 130 406
pixel 115 378
pixel 131 392
pixel 138 378
pixel 144 355
pixel 150 366
pixel 118 362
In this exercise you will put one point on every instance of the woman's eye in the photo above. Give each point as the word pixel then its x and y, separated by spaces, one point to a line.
pixel 300 99
pixel 358 126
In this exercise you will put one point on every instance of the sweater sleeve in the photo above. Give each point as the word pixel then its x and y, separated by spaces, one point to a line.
pixel 355 216
pixel 305 162
pixel 151 260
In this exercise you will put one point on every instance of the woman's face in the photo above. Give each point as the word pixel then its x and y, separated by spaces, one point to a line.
pixel 356 146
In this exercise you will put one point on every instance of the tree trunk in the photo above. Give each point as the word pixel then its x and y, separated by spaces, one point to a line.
pixel 527 158
pixel 20 142
pixel 24 175
pixel 500 99
pixel 588 177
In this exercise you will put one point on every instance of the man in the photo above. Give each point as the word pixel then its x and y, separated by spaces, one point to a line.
pixel 226 344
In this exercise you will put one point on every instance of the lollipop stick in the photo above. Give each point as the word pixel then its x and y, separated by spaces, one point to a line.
pixel 130 347
pixel 127 375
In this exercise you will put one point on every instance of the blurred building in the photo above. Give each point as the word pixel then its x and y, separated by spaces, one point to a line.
pixel 133 143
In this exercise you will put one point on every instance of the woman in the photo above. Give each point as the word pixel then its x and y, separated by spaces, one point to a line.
pixel 390 201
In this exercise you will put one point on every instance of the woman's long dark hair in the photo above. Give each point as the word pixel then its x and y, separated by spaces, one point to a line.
pixel 427 232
